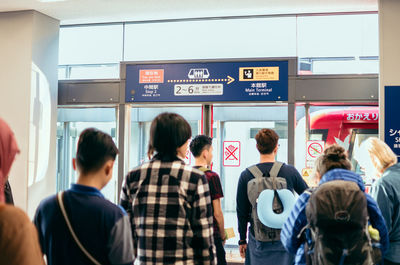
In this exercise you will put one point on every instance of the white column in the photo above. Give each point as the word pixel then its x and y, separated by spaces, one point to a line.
pixel 389 52
pixel 28 101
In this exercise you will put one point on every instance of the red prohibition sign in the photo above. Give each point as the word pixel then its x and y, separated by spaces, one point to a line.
pixel 315 149
pixel 231 153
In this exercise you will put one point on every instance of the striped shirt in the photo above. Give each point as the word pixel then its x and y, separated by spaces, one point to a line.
pixel 171 213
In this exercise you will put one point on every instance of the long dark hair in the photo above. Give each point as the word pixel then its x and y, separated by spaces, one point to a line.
pixel 168 131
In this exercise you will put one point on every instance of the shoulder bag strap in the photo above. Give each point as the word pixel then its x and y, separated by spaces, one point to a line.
pixel 203 169
pixel 273 173
pixel 71 230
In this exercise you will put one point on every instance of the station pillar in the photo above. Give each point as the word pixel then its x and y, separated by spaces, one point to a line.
pixel 389 54
pixel 28 101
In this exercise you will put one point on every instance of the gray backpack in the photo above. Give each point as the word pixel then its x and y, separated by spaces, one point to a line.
pixel 254 188
pixel 337 218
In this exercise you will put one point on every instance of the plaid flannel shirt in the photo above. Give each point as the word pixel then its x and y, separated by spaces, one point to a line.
pixel 171 213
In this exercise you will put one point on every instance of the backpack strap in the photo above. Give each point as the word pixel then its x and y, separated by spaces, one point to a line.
pixel 203 169
pixel 256 172
pixel 309 191
pixel 273 173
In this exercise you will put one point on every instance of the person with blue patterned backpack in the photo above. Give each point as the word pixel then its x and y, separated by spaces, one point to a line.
pixel 329 224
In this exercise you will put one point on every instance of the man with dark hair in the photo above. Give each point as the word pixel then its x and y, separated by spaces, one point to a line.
pixel 79 226
pixel 264 245
pixel 169 201
pixel 201 148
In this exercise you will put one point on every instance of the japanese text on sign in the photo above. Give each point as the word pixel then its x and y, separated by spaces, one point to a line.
pixel 207 81
pixel 258 73
pixel 362 116
pixel 198 90
pixel 151 76
pixel 396 134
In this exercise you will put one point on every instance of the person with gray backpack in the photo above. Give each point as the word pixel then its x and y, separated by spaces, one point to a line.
pixel 261 244
pixel 336 223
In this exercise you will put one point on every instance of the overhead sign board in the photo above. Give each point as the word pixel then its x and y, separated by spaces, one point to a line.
pixel 207 82
pixel 392 119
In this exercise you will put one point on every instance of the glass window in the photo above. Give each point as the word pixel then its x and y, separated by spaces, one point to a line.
pixel 140 130
pixel 236 127
pixel 91 52
pixel 71 122
pixel 338 44
pixel 91 44
pixel 98 71
pixel 224 38
pixel 346 126
pixel 358 136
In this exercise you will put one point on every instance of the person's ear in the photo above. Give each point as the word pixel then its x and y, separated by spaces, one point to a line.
pixel 276 149
pixel 108 167
pixel 74 163
pixel 204 153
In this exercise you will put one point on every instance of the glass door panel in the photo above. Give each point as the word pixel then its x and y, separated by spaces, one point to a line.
pixel 141 118
pixel 235 148
pixel 346 126
pixel 71 122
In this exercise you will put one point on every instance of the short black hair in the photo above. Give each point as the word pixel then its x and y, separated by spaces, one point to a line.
pixel 168 131
pixel 95 148
pixel 199 143
pixel 266 139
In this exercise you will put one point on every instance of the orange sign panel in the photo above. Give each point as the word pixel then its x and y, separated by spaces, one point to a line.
pixel 270 73
pixel 151 76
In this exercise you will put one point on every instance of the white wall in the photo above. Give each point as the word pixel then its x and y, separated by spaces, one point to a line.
pixel 15 67
pixel 42 161
pixel 29 52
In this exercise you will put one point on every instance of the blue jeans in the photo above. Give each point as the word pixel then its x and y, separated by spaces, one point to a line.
pixel 260 253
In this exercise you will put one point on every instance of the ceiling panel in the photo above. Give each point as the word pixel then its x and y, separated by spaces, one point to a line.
pixel 97 11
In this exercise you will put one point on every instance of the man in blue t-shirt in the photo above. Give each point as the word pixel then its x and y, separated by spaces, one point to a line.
pixel 102 229
pixel 258 252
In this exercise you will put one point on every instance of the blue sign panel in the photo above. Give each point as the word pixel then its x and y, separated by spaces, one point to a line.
pixel 392 118
pixel 207 82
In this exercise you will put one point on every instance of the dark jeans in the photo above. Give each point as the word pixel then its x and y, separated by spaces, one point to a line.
pixel 266 253
pixel 220 251
pixel 388 262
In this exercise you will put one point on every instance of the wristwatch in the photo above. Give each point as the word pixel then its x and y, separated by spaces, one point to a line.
pixel 242 242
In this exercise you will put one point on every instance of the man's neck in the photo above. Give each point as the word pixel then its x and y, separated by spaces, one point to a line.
pixel 91 181
pixel 200 162
pixel 267 158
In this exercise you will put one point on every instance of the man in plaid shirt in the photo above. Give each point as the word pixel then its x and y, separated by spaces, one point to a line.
pixel 168 201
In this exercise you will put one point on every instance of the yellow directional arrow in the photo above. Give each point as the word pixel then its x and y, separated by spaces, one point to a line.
pixel 230 79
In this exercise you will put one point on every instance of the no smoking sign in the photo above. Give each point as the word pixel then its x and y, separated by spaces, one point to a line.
pixel 314 149
pixel 231 153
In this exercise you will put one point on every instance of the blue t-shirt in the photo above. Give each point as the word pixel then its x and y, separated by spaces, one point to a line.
pixel 294 182
pixel 102 227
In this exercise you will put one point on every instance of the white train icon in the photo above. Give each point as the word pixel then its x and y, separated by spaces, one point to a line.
pixel 198 73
